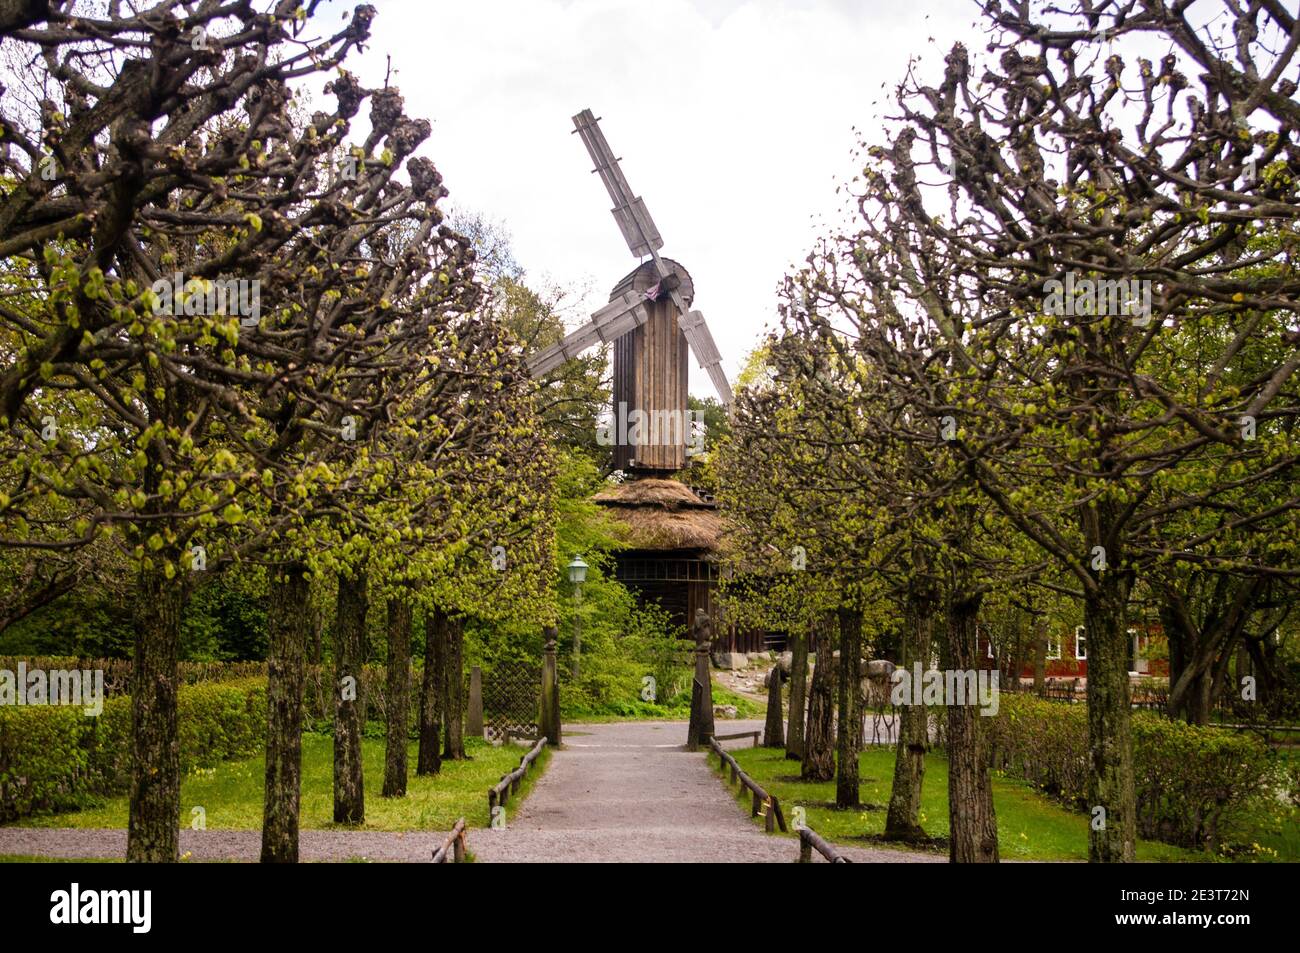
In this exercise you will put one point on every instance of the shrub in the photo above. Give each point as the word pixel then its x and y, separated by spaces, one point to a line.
pixel 55 758
pixel 1195 786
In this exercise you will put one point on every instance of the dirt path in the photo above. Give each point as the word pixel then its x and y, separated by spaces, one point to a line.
pixel 628 792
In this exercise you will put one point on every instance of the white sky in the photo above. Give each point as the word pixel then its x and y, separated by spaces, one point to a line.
pixel 734 120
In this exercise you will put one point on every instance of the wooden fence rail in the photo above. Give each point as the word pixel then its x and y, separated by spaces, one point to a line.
pixel 764 804
pixel 509 783
pixel 452 850
pixel 738 735
pixel 810 840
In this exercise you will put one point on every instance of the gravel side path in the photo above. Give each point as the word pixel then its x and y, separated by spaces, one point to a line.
pixel 412 847
pixel 628 792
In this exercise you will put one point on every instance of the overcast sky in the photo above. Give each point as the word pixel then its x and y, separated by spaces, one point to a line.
pixel 734 120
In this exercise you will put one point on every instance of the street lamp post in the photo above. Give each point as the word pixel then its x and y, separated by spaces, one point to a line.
pixel 577 576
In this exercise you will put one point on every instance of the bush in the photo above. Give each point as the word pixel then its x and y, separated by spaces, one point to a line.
pixel 1195 786
pixel 55 758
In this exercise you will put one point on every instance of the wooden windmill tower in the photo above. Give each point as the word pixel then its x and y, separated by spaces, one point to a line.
pixel 651 325
pixel 671 556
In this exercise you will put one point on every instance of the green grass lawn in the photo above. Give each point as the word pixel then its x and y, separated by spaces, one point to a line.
pixel 1030 827
pixel 231 794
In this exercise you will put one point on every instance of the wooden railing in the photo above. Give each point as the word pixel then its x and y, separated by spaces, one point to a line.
pixel 738 735
pixel 452 850
pixel 764 805
pixel 810 840
pixel 509 784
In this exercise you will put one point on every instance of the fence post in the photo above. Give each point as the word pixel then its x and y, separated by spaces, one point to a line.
pixel 805 849
pixel 474 716
pixel 550 690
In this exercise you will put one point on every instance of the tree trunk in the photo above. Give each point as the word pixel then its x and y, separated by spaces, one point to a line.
pixel 798 695
pixel 454 728
pixel 435 655
pixel 773 736
pixel 316 635
pixel 287 620
pixel 972 821
pixel 349 626
pixel 819 740
pixel 1111 801
pixel 847 739
pixel 153 828
pixel 903 822
pixel 1040 664
pixel 398 689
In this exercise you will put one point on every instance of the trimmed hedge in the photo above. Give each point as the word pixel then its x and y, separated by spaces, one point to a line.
pixel 54 758
pixel 117 671
pixel 318 690
pixel 1195 786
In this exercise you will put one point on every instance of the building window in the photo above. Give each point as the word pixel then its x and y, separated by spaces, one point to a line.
pixel 1053 646
pixel 1080 644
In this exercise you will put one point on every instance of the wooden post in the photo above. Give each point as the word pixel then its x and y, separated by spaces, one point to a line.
pixel 474 714
pixel 458 848
pixel 701 724
pixel 550 716
pixel 773 731
pixel 805 850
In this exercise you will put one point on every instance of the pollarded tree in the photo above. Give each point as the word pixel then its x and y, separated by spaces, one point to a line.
pixel 209 407
pixel 1082 248
pixel 783 483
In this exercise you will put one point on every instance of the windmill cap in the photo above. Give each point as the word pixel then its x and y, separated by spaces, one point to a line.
pixel 645 276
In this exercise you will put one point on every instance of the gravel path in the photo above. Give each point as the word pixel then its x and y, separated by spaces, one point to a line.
pixel 628 792
pixel 415 846
pixel 625 791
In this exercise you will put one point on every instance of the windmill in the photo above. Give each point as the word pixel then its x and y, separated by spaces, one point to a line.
pixel 651 325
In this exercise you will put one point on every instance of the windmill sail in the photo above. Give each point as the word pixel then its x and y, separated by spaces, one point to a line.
pixel 625 313
pixel 622 316
pixel 629 211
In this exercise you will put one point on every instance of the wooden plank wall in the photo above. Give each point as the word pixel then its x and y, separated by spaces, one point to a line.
pixel 651 374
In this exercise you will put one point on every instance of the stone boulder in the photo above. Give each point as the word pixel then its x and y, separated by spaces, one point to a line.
pixel 724 711
pixel 732 661
pixel 879 668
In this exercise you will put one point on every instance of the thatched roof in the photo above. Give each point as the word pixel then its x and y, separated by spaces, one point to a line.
pixel 663 515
